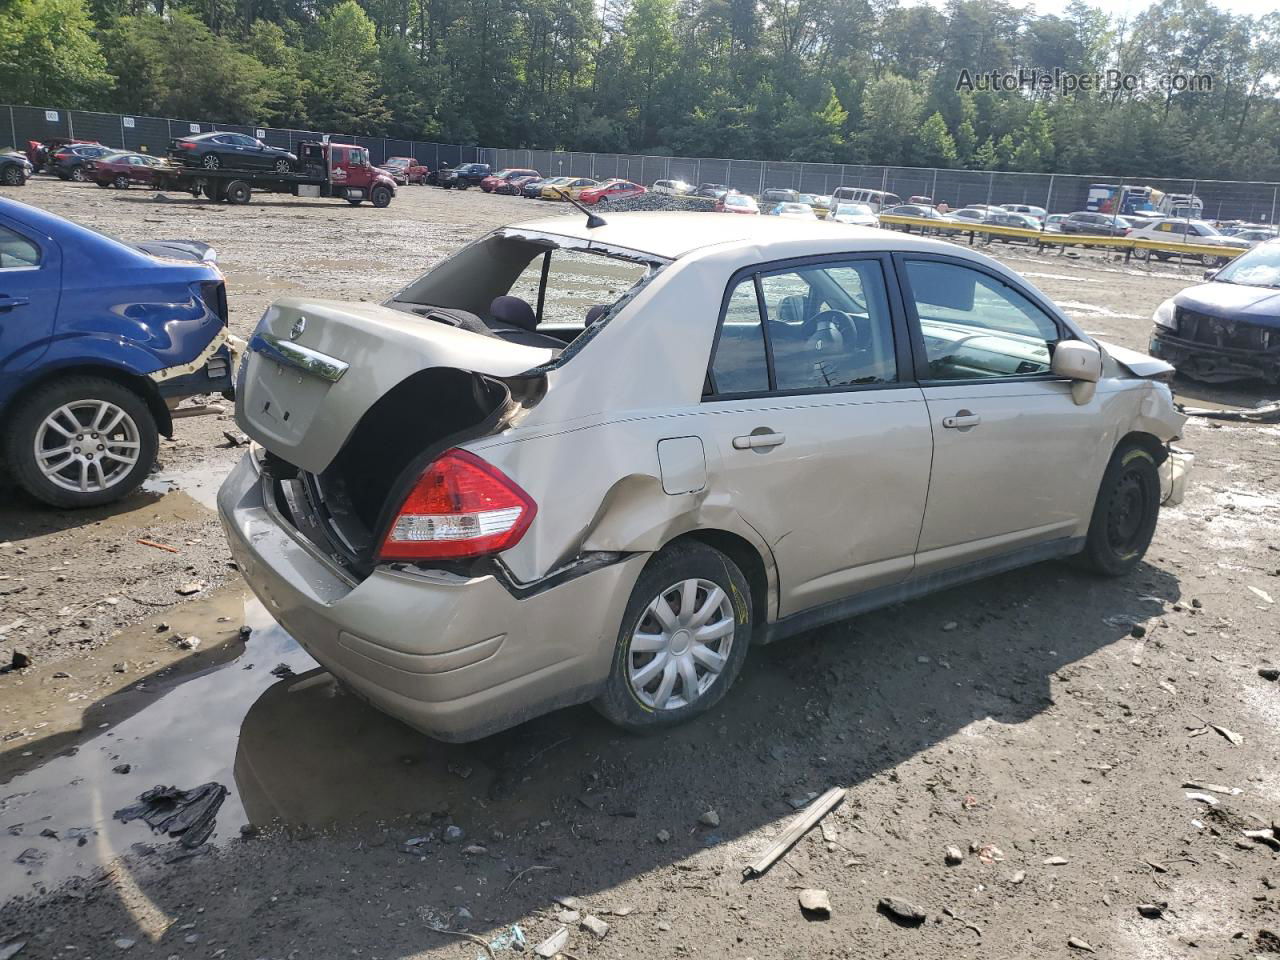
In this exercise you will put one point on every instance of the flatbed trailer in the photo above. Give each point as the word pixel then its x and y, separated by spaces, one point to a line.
pixel 335 170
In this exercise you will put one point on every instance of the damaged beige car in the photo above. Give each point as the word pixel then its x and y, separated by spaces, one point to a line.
pixel 600 462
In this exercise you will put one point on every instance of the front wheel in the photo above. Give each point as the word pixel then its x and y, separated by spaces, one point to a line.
pixel 380 197
pixel 121 182
pixel 13 176
pixel 81 442
pixel 682 640
pixel 1125 513
pixel 210 161
pixel 283 166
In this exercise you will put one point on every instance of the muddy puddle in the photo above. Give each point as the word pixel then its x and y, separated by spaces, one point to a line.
pixel 292 748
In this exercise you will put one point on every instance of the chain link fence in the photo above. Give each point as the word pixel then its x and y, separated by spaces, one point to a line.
pixel 1255 202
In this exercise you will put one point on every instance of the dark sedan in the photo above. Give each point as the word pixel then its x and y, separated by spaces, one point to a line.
pixel 1228 328
pixel 68 163
pixel 1099 224
pixel 235 151
pixel 532 190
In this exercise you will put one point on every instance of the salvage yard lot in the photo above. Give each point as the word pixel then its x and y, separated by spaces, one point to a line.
pixel 1022 713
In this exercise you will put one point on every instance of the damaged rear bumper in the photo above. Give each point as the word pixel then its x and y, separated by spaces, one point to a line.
pixel 456 657
pixel 1212 363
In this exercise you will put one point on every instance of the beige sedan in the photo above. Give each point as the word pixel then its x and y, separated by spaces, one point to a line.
pixel 589 461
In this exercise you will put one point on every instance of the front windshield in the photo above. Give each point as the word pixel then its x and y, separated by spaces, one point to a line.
pixel 1260 267
pixel 854 209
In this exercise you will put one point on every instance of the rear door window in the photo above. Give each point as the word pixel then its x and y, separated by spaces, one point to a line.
pixel 17 251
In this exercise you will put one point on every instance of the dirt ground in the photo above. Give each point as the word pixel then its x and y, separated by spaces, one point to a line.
pixel 1019 720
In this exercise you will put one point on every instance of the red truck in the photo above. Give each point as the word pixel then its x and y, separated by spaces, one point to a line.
pixel 324 170
pixel 410 169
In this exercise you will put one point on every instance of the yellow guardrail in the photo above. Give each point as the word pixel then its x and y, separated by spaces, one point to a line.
pixel 1047 238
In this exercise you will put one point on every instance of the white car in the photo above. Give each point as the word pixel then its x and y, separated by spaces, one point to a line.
pixel 793 211
pixel 471 515
pixel 1175 231
pixel 673 188
pixel 858 214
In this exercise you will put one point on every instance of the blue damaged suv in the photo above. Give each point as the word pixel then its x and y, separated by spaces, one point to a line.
pixel 99 342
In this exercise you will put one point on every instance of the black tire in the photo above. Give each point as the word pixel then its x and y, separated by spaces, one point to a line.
pixel 102 183
pixel 30 413
pixel 1125 513
pixel 283 166
pixel 211 161
pixel 239 192
pixel 77 174
pixel 121 182
pixel 63 175
pixel 13 176
pixel 619 701
pixel 1162 257
pixel 380 197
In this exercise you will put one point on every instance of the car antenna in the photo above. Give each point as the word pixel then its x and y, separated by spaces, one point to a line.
pixel 593 219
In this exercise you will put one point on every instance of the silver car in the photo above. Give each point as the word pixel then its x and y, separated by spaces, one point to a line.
pixel 588 461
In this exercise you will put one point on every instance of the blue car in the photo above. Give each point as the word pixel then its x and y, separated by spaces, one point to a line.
pixel 1228 328
pixel 99 341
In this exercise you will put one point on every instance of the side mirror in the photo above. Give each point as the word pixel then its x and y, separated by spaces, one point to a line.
pixel 1081 363
pixel 1210 274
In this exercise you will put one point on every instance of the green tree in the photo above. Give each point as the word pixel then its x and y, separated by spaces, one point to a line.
pixel 1004 152
pixel 936 147
pixel 984 158
pixel 342 87
pixel 286 92
pixel 48 55
pixel 890 114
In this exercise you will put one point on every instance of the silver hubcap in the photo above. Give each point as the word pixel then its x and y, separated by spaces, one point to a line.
pixel 87 445
pixel 681 644
pixel 211 161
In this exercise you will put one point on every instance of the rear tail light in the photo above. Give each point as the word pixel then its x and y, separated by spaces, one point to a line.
pixel 459 507
pixel 186 145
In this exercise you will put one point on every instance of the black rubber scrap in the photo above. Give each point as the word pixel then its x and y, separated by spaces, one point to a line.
pixel 188 815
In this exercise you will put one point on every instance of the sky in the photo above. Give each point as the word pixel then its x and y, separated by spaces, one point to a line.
pixel 1127 8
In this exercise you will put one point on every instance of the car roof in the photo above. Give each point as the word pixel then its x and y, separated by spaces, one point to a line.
pixel 672 235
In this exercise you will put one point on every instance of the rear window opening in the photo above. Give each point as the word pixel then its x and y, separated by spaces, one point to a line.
pixel 537 290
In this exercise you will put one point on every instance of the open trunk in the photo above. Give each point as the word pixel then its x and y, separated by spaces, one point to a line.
pixel 352 400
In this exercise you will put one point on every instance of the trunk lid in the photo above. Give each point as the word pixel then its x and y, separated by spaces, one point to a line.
pixel 314 368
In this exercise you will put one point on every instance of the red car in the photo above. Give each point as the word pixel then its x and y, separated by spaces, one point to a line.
pixel 40 152
pixel 516 185
pixel 121 169
pixel 491 183
pixel 611 190
pixel 737 203
pixel 409 168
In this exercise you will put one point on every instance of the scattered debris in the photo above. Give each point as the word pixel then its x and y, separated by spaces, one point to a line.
pixel 158 546
pixel 1203 798
pixel 235 438
pixel 553 944
pixel 952 856
pixel 710 819
pixel 189 815
pixel 1152 911
pixel 949 626
pixel 663 836
pixel 453 833
pixel 190 589
pixel 124 943
pixel 815 904
pixel 122 768
pixel 1018 876
pixel 569 916
pixel 800 801
pixel 1056 862
pixel 1079 944
pixel 989 853
pixel 794 831
pixel 595 926
pixel 902 911
pixel 1270 836
pixel 20 660
pixel 969 925
pixel 1269 673
pixel 188 643
pixel 1260 593
pixel 282 670
pixel 475 850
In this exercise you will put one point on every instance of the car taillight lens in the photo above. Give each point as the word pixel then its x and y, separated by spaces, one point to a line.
pixel 459 507
pixel 186 145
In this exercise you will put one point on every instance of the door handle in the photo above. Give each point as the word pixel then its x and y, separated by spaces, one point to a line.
pixel 962 420
pixel 754 441
pixel 8 303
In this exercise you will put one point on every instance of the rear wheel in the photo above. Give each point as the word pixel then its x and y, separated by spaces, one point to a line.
pixel 81 441
pixel 102 183
pixel 77 174
pixel 380 197
pixel 1125 513
pixel 682 640
pixel 239 192
pixel 121 182
pixel 283 166
pixel 210 161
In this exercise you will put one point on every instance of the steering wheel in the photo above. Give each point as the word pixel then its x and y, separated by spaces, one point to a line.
pixel 839 321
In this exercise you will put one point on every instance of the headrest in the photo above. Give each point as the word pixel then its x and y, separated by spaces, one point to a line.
pixel 513 311
pixel 791 310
